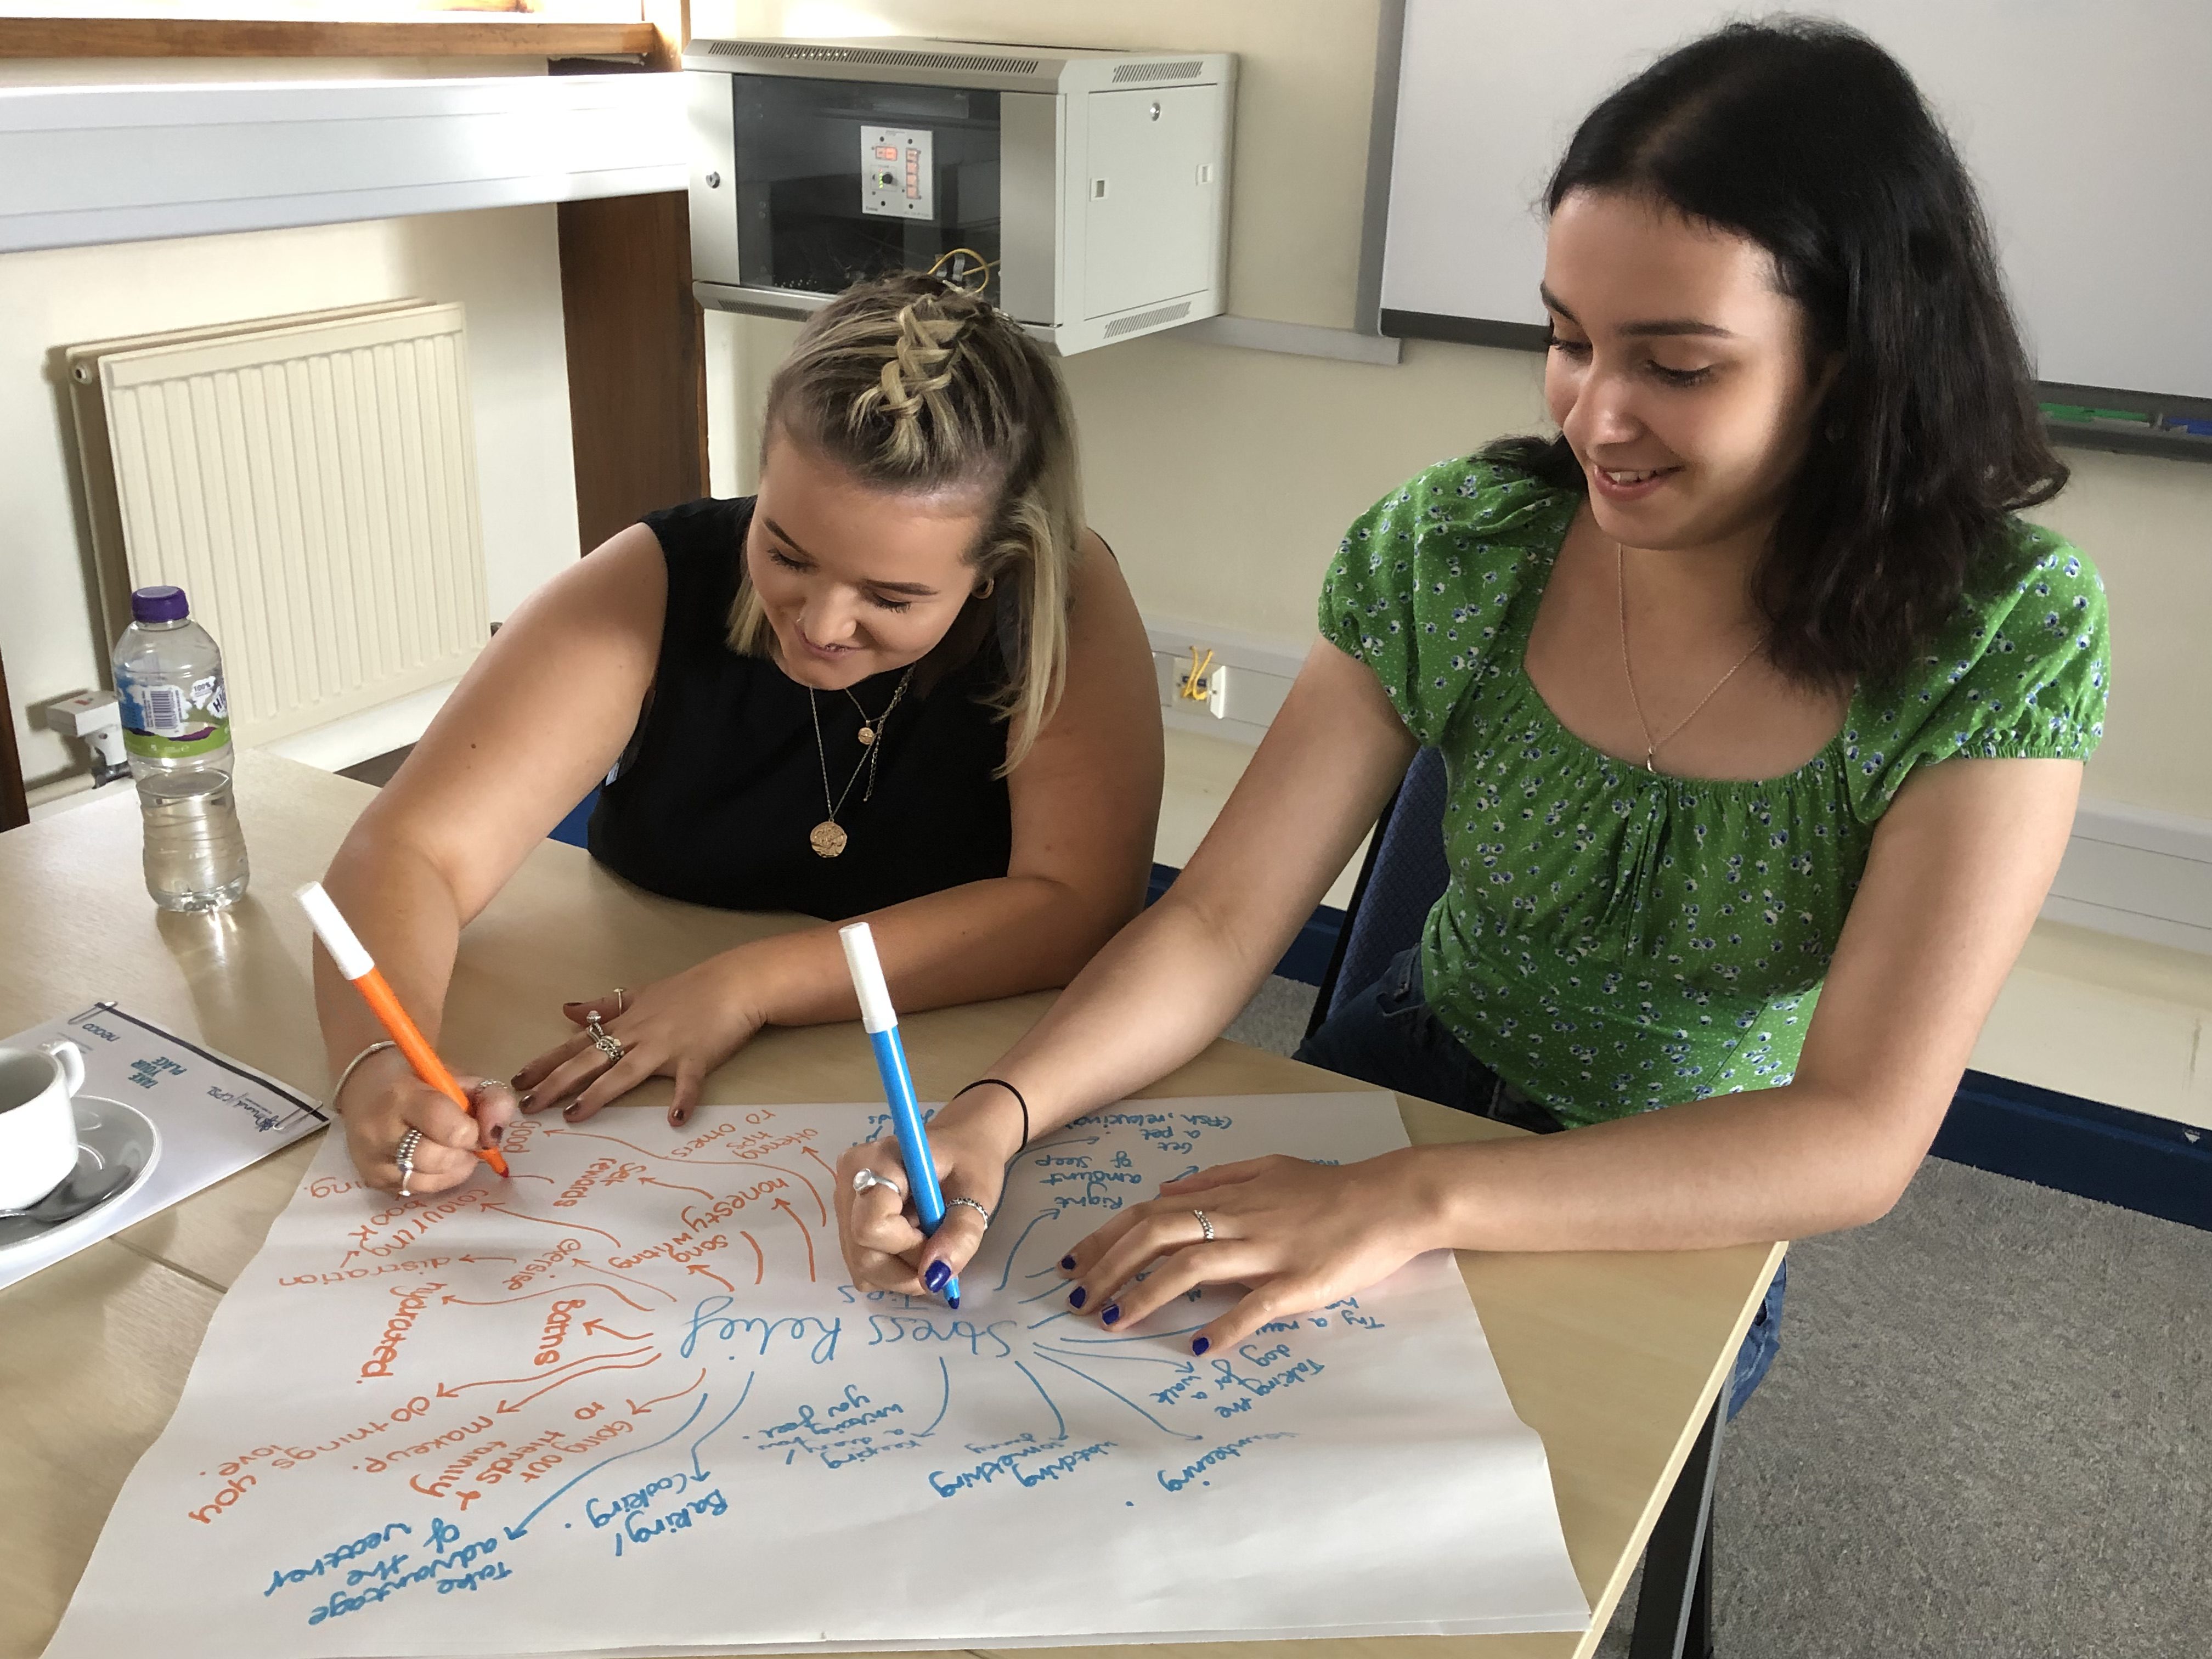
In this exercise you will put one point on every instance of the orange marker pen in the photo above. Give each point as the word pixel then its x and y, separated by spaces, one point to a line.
pixel 356 963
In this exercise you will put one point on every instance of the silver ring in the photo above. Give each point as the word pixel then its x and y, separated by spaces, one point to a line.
pixel 864 1179
pixel 972 1204
pixel 1204 1225
pixel 622 1001
pixel 604 1041
pixel 404 1157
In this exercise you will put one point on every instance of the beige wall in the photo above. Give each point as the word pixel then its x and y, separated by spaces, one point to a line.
pixel 502 265
pixel 1224 478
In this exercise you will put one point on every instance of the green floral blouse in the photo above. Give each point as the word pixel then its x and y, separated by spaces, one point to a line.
pixel 1613 939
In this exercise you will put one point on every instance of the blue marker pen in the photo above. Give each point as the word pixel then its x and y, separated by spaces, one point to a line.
pixel 880 1021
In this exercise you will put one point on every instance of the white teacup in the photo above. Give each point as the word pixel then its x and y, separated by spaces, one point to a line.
pixel 38 1128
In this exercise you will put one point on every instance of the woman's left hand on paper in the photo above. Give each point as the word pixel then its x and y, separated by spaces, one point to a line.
pixel 1300 1235
pixel 681 1027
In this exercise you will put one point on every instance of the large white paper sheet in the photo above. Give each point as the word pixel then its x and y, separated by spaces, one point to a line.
pixel 627 1403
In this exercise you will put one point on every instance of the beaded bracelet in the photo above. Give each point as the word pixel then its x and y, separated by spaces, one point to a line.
pixel 1002 1083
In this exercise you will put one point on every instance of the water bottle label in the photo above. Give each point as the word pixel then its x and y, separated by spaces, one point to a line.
pixel 162 722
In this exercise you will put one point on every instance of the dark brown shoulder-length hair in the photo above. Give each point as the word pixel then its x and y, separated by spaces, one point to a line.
pixel 1808 139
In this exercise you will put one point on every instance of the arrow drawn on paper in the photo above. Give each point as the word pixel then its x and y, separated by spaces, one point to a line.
pixel 444 1392
pixel 709 1273
pixel 549 1289
pixel 1050 1360
pixel 643 1284
pixel 565 1226
pixel 698 1473
pixel 1181 1367
pixel 676 1187
pixel 517 1404
pixel 1020 1239
pixel 515 1532
pixel 784 1206
pixel 593 1134
pixel 801 1178
pixel 646 1409
pixel 605 1329
pixel 760 1262
pixel 944 1404
pixel 1057 1418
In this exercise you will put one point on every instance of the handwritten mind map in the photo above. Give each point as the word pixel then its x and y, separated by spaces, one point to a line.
pixel 626 1401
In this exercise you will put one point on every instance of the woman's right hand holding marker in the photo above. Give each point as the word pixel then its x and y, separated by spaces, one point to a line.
pixel 972 1138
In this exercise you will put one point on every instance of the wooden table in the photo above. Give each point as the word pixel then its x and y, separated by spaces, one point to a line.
pixel 1614 1359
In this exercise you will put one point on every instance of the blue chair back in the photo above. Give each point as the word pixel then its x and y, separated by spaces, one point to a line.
pixel 1404 874
pixel 572 828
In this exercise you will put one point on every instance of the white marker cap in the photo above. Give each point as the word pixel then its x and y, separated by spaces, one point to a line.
pixel 876 1011
pixel 339 939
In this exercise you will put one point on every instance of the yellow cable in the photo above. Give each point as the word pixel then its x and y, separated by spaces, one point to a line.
pixel 1190 687
pixel 984 266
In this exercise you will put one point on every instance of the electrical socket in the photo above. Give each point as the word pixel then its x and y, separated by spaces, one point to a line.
pixel 95 718
pixel 1207 684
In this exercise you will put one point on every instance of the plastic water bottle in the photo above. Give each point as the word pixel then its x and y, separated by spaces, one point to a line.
pixel 176 730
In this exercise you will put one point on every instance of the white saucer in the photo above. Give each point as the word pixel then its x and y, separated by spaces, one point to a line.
pixel 110 1134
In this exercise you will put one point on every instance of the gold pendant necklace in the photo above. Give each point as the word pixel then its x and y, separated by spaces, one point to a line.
pixel 829 838
pixel 870 726
pixel 1652 744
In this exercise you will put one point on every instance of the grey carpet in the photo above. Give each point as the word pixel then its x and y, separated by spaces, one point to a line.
pixel 1990 1432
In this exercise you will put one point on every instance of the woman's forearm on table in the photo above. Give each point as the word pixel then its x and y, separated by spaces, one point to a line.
pixel 405 911
pixel 1166 987
pixel 970 944
pixel 1782 1162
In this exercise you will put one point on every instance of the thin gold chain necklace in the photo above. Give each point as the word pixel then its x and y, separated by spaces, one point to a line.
pixel 1652 744
pixel 871 724
pixel 829 837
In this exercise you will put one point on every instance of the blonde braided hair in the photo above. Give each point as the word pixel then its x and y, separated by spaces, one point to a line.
pixel 915 384
pixel 920 366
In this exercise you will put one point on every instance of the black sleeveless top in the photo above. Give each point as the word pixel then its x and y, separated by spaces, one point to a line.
pixel 713 798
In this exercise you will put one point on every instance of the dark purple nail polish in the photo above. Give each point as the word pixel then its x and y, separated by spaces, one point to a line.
pixel 523 1102
pixel 1109 1313
pixel 569 1110
pixel 1068 1262
pixel 938 1273
pixel 515 1082
pixel 1076 1297
pixel 1199 1345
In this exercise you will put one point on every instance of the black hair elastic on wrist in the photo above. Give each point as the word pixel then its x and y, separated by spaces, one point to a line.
pixel 1002 1083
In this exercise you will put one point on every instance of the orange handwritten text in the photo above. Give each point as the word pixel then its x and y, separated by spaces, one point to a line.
pixel 411 1302
pixel 556 1329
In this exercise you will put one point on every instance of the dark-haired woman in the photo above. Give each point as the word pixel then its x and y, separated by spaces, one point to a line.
pixel 1763 718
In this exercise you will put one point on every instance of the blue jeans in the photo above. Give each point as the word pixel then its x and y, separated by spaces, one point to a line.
pixel 1388 1035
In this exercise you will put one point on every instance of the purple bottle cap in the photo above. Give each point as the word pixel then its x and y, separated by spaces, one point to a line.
pixel 153 604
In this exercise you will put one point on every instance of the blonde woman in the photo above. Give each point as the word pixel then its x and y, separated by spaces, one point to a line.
pixel 902 681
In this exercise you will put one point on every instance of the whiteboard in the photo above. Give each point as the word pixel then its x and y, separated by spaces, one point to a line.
pixel 2081 121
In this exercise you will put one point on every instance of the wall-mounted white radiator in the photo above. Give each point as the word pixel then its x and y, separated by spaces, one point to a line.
pixel 310 482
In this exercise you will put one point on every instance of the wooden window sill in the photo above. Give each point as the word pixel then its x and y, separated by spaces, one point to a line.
pixel 469 37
